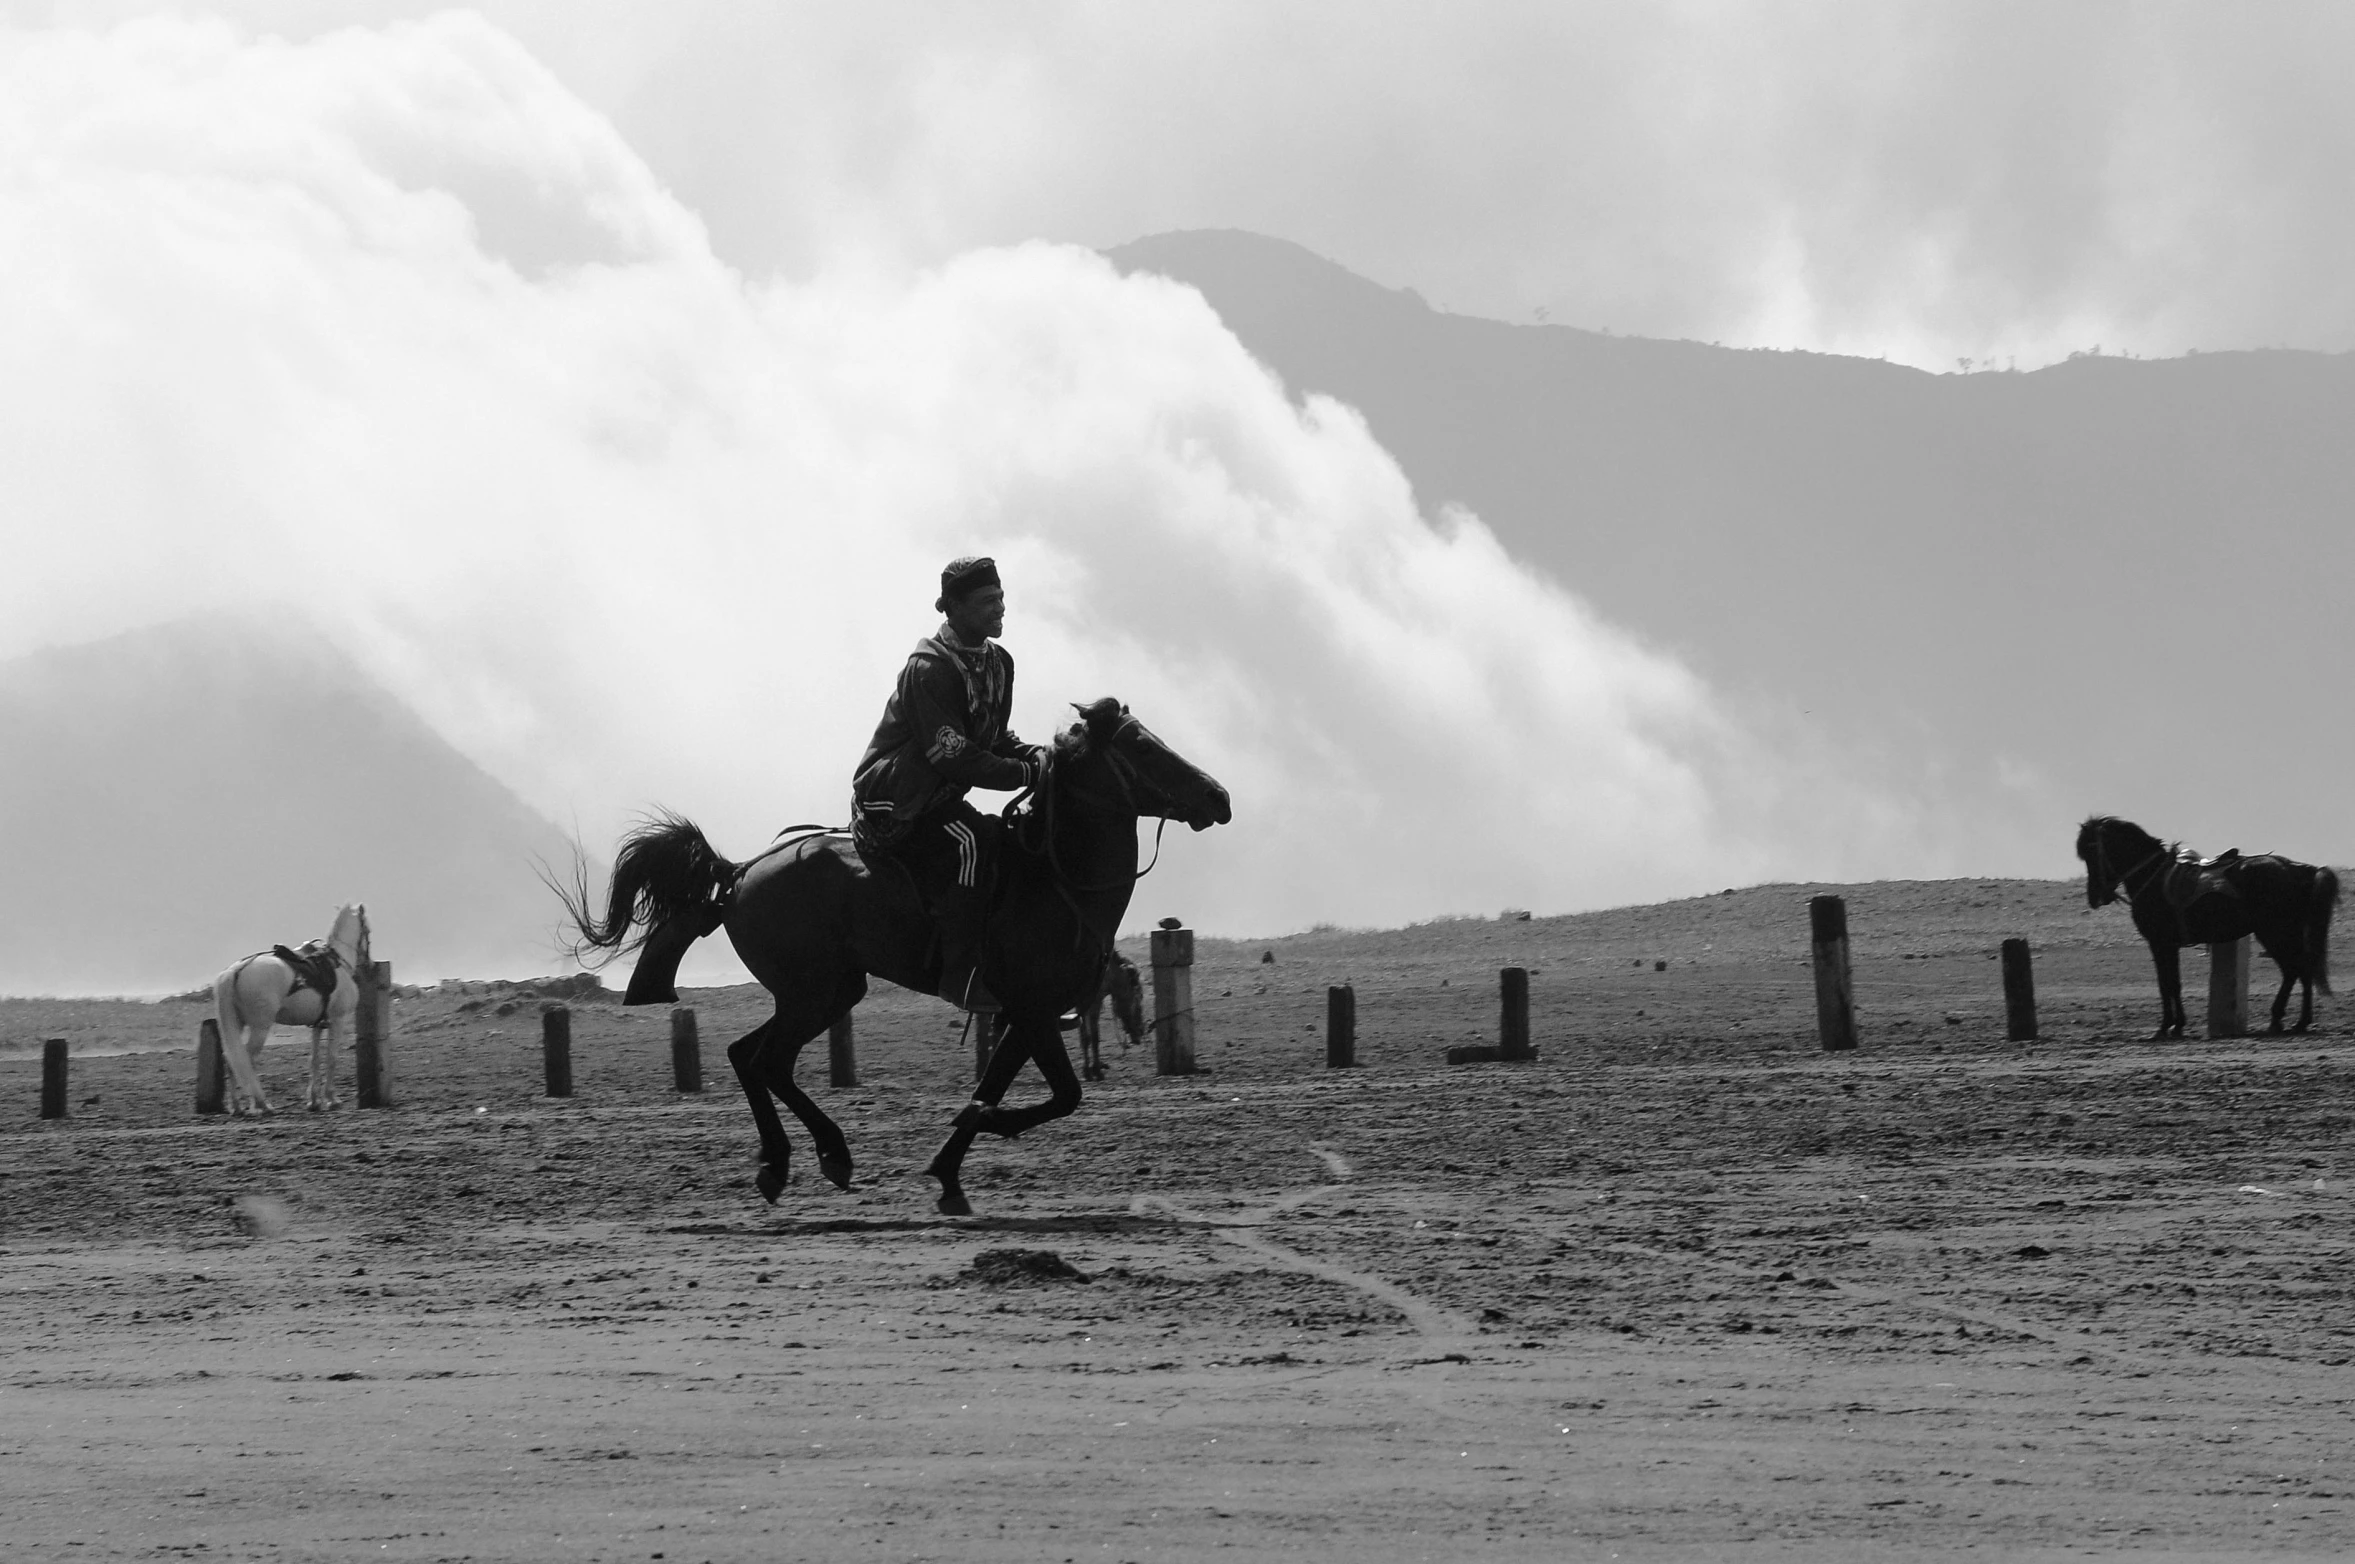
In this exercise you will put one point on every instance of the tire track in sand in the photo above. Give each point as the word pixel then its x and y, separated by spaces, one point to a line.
pixel 1450 1335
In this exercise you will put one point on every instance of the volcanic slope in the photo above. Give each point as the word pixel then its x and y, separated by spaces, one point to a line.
pixel 173 798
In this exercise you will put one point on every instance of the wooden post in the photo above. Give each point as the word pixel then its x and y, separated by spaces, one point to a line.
pixel 2228 988
pixel 1835 1001
pixel 372 1036
pixel 1340 1027
pixel 2019 992
pixel 556 1049
pixel 686 1052
pixel 1173 1000
pixel 1512 1026
pixel 53 1078
pixel 210 1067
pixel 842 1055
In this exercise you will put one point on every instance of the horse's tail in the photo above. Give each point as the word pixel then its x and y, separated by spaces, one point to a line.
pixel 663 870
pixel 225 1012
pixel 2321 901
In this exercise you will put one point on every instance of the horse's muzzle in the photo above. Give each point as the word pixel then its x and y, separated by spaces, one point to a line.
pixel 1217 809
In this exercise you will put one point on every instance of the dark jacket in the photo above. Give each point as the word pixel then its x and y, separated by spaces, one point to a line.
pixel 943 731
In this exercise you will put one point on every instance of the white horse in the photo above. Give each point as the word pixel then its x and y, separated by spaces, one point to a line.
pixel 1127 993
pixel 262 991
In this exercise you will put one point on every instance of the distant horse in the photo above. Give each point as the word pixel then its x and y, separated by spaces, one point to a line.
pixel 1128 1008
pixel 315 986
pixel 812 920
pixel 2177 902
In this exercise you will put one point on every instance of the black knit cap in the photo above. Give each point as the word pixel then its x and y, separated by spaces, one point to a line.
pixel 969 574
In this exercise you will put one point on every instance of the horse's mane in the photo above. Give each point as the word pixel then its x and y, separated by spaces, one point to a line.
pixel 2094 825
pixel 1078 740
pixel 1070 745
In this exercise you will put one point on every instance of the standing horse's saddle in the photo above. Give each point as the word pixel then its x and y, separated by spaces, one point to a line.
pixel 2191 877
pixel 313 967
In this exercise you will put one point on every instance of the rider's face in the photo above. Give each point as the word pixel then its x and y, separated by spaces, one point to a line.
pixel 979 616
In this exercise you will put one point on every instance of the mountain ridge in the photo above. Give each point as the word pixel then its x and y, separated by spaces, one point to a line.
pixel 2101 582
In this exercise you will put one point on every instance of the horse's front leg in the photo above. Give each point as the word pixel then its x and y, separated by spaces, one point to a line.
pixel 2169 962
pixel 326 1039
pixel 1040 1043
pixel 1006 1060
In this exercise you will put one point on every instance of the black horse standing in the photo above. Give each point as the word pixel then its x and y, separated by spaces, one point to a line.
pixel 2287 905
pixel 812 921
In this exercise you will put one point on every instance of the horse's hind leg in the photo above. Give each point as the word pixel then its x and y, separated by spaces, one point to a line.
pixel 2281 1000
pixel 764 1060
pixel 825 1135
pixel 316 1093
pixel 746 1054
pixel 241 1041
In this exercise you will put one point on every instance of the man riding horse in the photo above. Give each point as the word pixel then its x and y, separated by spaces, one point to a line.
pixel 944 731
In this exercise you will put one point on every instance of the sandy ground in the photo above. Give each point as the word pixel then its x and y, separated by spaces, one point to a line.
pixel 1684 1288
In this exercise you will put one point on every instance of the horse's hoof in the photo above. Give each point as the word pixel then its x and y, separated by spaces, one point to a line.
pixel 837 1171
pixel 770 1183
pixel 954 1203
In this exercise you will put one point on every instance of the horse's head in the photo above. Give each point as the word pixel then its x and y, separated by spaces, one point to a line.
pixel 349 936
pixel 2112 851
pixel 1157 779
pixel 2101 885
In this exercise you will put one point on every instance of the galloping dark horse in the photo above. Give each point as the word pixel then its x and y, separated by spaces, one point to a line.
pixel 2286 904
pixel 812 922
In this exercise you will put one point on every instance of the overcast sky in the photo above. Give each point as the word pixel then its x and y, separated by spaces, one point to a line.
pixel 1922 181
pixel 611 379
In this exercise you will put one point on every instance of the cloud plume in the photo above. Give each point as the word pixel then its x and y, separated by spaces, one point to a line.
pixel 386 330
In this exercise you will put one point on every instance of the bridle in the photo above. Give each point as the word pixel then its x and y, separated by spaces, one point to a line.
pixel 1124 772
pixel 1044 792
pixel 2101 850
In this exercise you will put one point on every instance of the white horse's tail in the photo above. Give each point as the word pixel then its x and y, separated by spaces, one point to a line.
pixel 225 1012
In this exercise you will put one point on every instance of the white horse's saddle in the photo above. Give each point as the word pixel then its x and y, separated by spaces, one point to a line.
pixel 313 966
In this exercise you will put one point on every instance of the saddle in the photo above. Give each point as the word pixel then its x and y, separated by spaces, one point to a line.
pixel 313 967
pixel 2191 877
